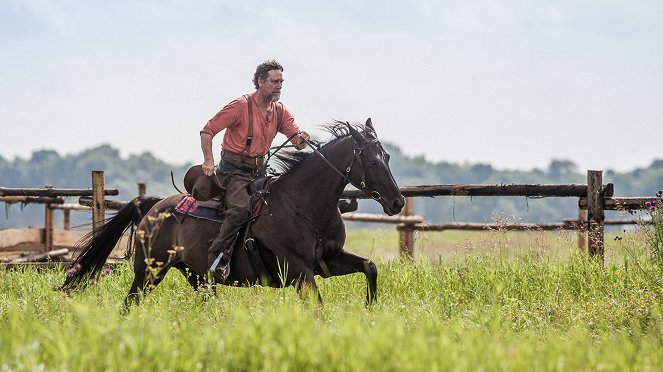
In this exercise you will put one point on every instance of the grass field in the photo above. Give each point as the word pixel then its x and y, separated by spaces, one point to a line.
pixel 471 301
pixel 454 245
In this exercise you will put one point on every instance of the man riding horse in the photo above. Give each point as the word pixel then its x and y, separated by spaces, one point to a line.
pixel 251 123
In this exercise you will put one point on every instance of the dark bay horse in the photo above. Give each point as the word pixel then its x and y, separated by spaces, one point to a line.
pixel 299 233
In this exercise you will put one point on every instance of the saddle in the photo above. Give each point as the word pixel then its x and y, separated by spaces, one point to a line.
pixel 207 202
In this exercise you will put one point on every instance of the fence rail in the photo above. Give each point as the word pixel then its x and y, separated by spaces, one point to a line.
pixel 618 204
pixel 53 192
pixel 570 190
pixel 369 217
pixel 108 204
pixel 594 199
pixel 32 199
pixel 475 226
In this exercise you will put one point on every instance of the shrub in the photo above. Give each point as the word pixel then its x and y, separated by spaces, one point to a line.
pixel 654 234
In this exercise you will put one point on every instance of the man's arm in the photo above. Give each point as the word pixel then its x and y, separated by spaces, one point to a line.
pixel 301 144
pixel 289 127
pixel 208 153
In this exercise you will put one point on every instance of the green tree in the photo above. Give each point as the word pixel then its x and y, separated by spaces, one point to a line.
pixel 47 167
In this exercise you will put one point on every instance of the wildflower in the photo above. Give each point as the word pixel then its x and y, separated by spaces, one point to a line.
pixel 73 270
pixel 106 271
pixel 651 205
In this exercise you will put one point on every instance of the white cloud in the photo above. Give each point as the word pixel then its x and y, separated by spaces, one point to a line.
pixel 513 83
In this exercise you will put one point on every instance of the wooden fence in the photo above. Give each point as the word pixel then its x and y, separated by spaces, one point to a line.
pixel 53 199
pixel 594 199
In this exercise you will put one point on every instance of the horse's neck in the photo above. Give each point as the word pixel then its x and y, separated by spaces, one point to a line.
pixel 315 185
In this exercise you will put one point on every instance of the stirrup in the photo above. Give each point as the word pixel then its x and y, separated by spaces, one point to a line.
pixel 216 262
pixel 222 271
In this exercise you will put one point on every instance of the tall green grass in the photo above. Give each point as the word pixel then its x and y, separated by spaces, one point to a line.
pixel 487 310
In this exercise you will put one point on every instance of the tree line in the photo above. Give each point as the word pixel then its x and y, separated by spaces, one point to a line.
pixel 47 167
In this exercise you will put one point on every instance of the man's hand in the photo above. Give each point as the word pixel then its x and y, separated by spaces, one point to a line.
pixel 301 144
pixel 208 156
pixel 208 167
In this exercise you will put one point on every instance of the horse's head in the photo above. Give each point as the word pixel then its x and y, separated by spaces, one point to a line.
pixel 369 170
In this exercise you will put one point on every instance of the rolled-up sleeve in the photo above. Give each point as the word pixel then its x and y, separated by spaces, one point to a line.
pixel 289 126
pixel 228 116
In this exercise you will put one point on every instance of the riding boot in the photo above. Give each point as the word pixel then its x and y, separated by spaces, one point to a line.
pixel 220 251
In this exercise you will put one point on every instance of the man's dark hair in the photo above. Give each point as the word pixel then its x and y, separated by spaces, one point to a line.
pixel 263 69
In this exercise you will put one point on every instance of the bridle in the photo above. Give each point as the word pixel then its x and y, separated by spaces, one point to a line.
pixel 356 158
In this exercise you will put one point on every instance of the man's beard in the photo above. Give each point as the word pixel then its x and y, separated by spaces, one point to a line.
pixel 275 96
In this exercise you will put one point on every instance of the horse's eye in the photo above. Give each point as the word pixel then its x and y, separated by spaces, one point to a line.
pixel 373 163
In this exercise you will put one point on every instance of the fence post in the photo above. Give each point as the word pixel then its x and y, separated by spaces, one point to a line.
pixel 98 205
pixel 66 219
pixel 582 230
pixel 406 231
pixel 142 189
pixel 595 214
pixel 48 226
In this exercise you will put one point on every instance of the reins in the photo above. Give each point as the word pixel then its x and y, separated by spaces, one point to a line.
pixel 269 155
pixel 346 176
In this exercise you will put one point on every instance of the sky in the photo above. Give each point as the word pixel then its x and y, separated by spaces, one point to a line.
pixel 514 84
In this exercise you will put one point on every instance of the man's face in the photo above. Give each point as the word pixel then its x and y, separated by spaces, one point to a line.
pixel 270 88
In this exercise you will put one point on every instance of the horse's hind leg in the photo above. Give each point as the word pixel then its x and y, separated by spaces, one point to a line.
pixel 343 263
pixel 133 297
pixel 195 280
pixel 145 280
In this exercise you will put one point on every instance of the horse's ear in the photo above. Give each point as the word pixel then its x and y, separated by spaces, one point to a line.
pixel 355 134
pixel 369 125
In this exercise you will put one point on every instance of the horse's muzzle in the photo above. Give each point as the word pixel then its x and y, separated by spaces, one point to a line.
pixel 394 207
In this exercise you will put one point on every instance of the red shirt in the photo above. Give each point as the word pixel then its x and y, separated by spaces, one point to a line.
pixel 234 118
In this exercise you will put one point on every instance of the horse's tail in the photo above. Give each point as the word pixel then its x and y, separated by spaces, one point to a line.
pixel 95 247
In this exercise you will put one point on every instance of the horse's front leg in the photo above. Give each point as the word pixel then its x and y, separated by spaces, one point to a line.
pixel 343 263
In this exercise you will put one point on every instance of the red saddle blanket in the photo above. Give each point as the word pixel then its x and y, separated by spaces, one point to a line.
pixel 212 209
pixel 209 210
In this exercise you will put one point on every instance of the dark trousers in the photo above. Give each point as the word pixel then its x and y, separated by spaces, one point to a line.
pixel 237 207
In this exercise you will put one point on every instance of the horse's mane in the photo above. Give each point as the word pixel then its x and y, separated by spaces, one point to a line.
pixel 289 159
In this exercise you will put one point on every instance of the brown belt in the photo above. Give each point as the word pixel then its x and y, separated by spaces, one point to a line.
pixel 254 162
